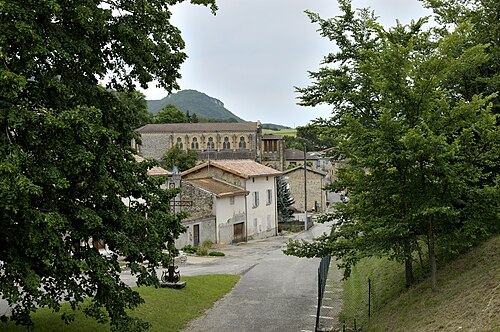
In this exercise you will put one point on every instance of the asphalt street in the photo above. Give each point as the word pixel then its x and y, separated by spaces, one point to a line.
pixel 275 293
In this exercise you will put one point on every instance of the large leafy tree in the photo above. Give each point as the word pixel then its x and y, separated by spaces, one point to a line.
pixel 171 114
pixel 65 158
pixel 182 159
pixel 418 155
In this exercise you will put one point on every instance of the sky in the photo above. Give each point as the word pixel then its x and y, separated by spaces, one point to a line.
pixel 253 53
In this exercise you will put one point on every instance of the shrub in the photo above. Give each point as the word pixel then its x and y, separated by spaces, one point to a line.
pixel 216 253
pixel 201 251
pixel 189 249
pixel 207 244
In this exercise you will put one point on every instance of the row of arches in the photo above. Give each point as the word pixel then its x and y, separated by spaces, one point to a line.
pixel 195 143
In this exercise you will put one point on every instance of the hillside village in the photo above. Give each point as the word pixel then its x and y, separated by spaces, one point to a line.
pixel 236 175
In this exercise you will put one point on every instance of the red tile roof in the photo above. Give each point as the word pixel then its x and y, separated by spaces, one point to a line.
pixel 244 168
pixel 154 171
pixel 217 187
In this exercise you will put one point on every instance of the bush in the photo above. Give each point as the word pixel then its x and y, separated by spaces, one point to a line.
pixel 207 244
pixel 201 251
pixel 216 253
pixel 189 249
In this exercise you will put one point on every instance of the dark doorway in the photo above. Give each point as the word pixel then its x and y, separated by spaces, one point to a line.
pixel 196 235
pixel 238 232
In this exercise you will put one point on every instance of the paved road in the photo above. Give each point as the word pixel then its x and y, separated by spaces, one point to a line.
pixel 276 292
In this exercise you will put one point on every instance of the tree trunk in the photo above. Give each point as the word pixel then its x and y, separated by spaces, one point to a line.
pixel 432 256
pixel 410 280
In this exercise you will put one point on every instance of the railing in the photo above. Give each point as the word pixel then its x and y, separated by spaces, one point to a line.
pixel 323 268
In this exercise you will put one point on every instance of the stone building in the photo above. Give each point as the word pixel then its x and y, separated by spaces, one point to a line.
pixel 210 140
pixel 312 186
pixel 273 151
pixel 258 180
pixel 216 212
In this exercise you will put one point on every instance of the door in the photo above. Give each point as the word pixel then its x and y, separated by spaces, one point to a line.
pixel 238 232
pixel 196 235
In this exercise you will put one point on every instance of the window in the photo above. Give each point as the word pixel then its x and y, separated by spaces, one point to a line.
pixel 179 142
pixel 226 145
pixel 269 197
pixel 242 144
pixel 255 199
pixel 194 144
pixel 318 163
pixel 210 144
pixel 231 200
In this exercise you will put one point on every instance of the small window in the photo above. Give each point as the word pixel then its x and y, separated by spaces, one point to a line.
pixel 242 144
pixel 231 200
pixel 226 145
pixel 318 163
pixel 179 142
pixel 255 199
pixel 269 197
pixel 210 144
pixel 194 144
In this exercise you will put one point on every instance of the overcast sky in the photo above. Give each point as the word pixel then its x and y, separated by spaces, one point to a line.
pixel 253 53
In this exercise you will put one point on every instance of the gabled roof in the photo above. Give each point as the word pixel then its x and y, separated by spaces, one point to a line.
pixel 244 168
pixel 301 168
pixel 294 154
pixel 198 127
pixel 217 187
pixel 154 171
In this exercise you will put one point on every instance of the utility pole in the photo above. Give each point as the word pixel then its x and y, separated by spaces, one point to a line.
pixel 305 187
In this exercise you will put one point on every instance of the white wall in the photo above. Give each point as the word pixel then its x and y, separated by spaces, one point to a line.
pixel 227 215
pixel 261 219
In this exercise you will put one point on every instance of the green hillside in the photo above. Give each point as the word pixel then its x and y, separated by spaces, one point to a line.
pixel 468 298
pixel 195 102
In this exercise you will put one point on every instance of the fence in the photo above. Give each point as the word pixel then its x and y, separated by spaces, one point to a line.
pixel 323 268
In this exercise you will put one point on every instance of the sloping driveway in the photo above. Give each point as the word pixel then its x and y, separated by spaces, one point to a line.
pixel 275 293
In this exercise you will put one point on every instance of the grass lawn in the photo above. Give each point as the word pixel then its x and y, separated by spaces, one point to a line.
pixel 283 132
pixel 166 309
pixel 468 298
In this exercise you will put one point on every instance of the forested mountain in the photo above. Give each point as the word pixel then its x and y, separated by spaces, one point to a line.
pixel 195 102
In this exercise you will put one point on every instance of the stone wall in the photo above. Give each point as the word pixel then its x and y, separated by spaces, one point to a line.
pixel 314 185
pixel 202 202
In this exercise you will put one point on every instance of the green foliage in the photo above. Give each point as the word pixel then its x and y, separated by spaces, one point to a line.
pixel 207 244
pixel 167 310
pixel 419 152
pixel 171 114
pixel 182 159
pixel 65 156
pixel 284 200
pixel 189 249
pixel 216 253
pixel 201 251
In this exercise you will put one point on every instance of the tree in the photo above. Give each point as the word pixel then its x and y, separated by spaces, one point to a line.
pixel 182 159
pixel 66 163
pixel 417 155
pixel 171 114
pixel 284 200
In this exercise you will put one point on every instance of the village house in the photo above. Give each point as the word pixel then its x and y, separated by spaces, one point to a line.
pixel 216 212
pixel 311 187
pixel 259 184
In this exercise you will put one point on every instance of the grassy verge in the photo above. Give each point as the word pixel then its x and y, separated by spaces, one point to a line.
pixel 468 298
pixel 166 309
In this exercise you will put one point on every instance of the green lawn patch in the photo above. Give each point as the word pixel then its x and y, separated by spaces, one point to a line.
pixel 166 309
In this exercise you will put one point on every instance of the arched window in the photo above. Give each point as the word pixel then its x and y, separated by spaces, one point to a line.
pixel 210 144
pixel 226 145
pixel 242 144
pixel 194 144
pixel 179 142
